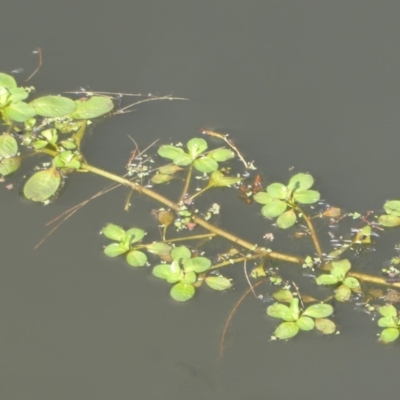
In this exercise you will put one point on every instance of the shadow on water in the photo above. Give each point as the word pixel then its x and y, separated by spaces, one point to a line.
pixel 314 85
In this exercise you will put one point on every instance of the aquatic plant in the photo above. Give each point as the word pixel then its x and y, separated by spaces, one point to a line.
pixel 55 126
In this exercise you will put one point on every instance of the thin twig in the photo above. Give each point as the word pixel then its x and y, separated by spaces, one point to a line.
pixel 247 278
pixel 39 52
pixel 229 319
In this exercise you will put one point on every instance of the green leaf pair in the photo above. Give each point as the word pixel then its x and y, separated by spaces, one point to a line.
pixel 392 216
pixel 196 147
pixel 9 161
pixel 391 322
pixel 312 317
pixel 124 241
pixel 277 198
pixel 338 275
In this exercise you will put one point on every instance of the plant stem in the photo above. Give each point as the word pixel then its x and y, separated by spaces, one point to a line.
pixel 187 183
pixel 313 234
pixel 199 221
pixel 193 237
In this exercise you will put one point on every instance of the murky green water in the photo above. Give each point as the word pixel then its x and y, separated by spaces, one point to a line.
pixel 313 85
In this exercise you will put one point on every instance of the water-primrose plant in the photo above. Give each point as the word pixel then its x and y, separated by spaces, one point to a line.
pixel 179 248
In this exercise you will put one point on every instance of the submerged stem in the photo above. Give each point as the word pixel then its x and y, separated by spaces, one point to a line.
pixel 187 183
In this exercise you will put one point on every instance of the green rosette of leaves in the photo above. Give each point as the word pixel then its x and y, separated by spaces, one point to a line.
pixel 195 155
pixel 183 272
pixel 280 200
pixel 296 320
pixel 392 217
pixel 128 242
pixel 338 276
pixel 391 322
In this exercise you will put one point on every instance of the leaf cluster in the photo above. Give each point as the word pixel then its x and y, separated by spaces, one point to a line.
pixel 280 200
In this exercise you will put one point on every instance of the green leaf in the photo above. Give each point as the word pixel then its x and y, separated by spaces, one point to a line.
pixel 182 292
pixel 274 208
pixel 115 249
pixel 221 155
pixel 286 330
pixel 388 311
pixel 389 220
pixel 8 146
pixel 189 278
pixel 320 310
pixel 136 234
pixel 113 232
pixel 19 111
pixel 392 207
pixel 170 169
pixel 277 190
pixel 162 271
pixel 53 106
pixel 217 178
pixel 283 295
pixel 9 165
pixel 42 185
pixel 205 165
pixel 92 108
pixel 197 264
pixel 136 258
pixel 182 159
pixel 159 248
pixel 326 279
pixel 300 181
pixel 351 282
pixel 263 198
pixel 7 81
pixel 196 146
pixel 342 265
pixel 305 323
pixel 343 293
pixel 168 151
pixel 68 144
pixel 326 326
pixel 180 252
pixel 306 196
pixel 40 144
pixel 287 219
pixel 158 179
pixel 17 94
pixel 294 308
pixel 387 322
pixel 389 335
pixel 280 311
pixel 218 282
